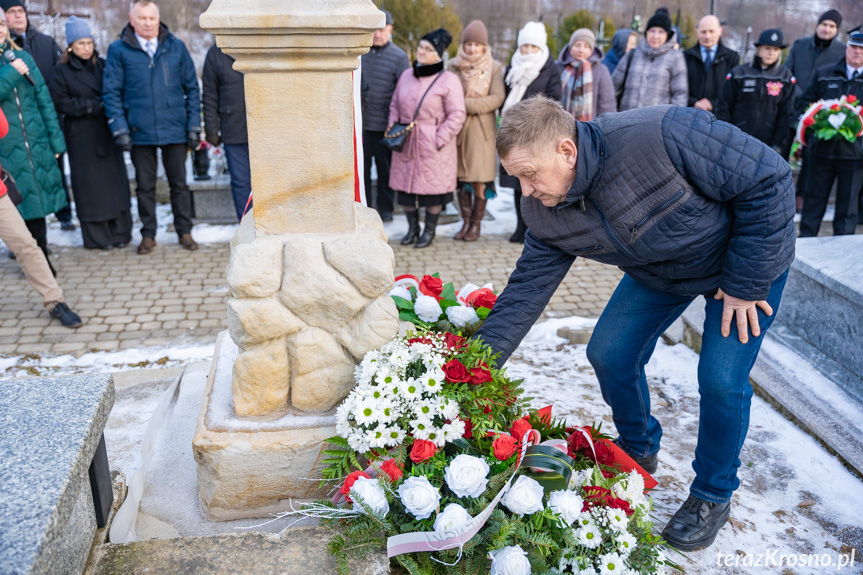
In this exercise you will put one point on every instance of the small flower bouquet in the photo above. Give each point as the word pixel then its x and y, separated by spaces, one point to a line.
pixel 429 303
pixel 440 460
pixel 827 119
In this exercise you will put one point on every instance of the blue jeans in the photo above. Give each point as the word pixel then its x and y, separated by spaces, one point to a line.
pixel 622 343
pixel 241 175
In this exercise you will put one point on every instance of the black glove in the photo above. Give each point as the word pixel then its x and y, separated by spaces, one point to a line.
pixel 193 140
pixel 214 139
pixel 124 142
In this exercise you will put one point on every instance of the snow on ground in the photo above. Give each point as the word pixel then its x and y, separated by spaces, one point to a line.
pixel 37 365
pixel 794 496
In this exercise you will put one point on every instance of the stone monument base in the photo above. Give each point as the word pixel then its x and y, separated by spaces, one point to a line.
pixel 250 467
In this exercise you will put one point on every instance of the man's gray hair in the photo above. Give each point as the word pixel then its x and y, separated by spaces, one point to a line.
pixel 142 3
pixel 538 123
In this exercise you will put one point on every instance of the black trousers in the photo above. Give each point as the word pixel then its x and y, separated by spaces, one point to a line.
pixel 174 160
pixel 819 180
pixel 65 214
pixel 39 231
pixel 372 148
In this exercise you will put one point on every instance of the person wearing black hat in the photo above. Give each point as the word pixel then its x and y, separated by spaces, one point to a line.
pixel 708 63
pixel 381 68
pixel 838 159
pixel 807 54
pixel 424 172
pixel 653 73
pixel 758 98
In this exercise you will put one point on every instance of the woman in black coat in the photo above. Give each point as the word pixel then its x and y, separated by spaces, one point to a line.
pixel 531 71
pixel 100 183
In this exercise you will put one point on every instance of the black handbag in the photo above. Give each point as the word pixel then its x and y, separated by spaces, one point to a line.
pixel 11 187
pixel 618 95
pixel 397 134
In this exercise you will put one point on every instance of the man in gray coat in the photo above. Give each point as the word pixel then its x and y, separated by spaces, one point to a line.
pixel 685 205
pixel 381 68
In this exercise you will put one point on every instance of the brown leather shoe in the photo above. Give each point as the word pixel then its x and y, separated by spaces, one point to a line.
pixel 147 246
pixel 187 242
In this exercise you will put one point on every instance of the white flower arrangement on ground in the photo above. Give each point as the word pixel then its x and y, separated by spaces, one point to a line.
pixel 398 393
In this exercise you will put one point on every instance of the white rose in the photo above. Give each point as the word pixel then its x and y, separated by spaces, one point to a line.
pixel 567 504
pixel 510 560
pixel 524 497
pixel 460 315
pixel 466 475
pixel 419 496
pixel 372 495
pixel 427 308
pixel 402 292
pixel 453 517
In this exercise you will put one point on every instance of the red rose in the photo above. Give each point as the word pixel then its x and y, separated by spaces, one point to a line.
pixel 431 286
pixel 604 455
pixel 578 443
pixel 519 428
pixel 504 446
pixel 453 341
pixel 483 298
pixel 851 98
pixel 422 450
pixel 480 375
pixel 349 482
pixel 468 429
pixel 456 372
pixel 621 504
pixel 834 107
pixel 808 121
pixel 393 471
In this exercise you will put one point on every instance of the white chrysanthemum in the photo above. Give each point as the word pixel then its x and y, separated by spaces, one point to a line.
pixel 427 409
pixel 626 543
pixel 461 315
pixel 365 412
pixel 588 571
pixel 421 427
pixel 616 519
pixel 410 389
pixel 394 436
pixel 387 410
pixel 584 519
pixel 427 308
pixel 376 438
pixel 589 536
pixel 579 478
pixel 432 380
pixel 632 489
pixel 453 430
pixel 436 436
pixel 449 409
pixel 358 443
pixel 402 292
pixel 611 564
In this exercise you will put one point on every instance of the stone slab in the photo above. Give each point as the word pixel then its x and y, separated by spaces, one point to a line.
pixel 250 467
pixel 823 300
pixel 50 431
pixel 802 383
pixel 213 201
pixel 296 552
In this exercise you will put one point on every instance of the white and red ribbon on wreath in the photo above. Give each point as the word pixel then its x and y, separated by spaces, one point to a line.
pixel 808 117
pixel 465 295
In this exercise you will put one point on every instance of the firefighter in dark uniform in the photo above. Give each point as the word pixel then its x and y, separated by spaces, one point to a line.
pixel 758 98
pixel 836 159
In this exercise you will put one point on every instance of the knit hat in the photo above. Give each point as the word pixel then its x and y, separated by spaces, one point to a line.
pixel 833 15
pixel 586 35
pixel 772 37
pixel 475 32
pixel 6 4
pixel 533 33
pixel 660 19
pixel 76 29
pixel 440 39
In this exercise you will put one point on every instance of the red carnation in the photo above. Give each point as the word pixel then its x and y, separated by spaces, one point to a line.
pixel 484 298
pixel 622 504
pixel 480 375
pixel 431 286
pixel 504 446
pixel 604 455
pixel 349 482
pixel 468 429
pixel 454 341
pixel 851 98
pixel 393 471
pixel 456 372
pixel 519 428
pixel 422 450
pixel 808 121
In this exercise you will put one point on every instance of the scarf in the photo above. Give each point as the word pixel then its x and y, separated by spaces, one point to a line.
pixel 576 94
pixel 421 71
pixel 523 70
pixel 475 72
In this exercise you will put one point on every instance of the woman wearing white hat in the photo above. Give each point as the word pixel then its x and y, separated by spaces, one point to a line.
pixel 531 71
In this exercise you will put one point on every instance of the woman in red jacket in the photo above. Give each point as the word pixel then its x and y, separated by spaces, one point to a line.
pixel 18 238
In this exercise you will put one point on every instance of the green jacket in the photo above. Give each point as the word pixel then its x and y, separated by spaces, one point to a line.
pixel 27 152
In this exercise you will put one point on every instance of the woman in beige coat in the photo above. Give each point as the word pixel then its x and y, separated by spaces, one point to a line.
pixel 482 79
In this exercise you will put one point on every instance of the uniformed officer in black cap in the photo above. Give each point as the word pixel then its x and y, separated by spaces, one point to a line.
pixel 758 98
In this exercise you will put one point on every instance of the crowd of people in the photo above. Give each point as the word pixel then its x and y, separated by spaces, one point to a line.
pixel 451 147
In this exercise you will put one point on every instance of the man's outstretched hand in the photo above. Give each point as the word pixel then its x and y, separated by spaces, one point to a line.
pixel 746 312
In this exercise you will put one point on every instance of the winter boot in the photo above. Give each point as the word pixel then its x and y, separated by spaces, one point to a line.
pixel 428 232
pixel 413 227
pixel 464 204
pixel 476 220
